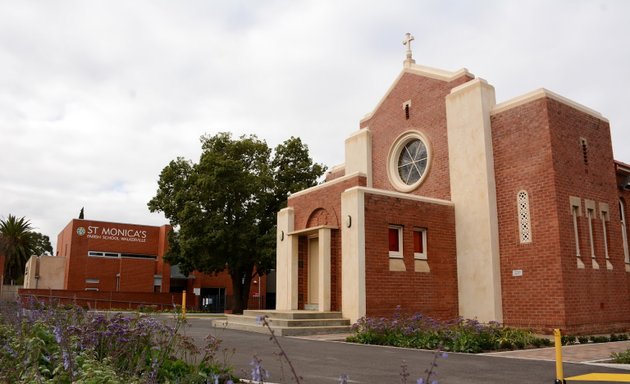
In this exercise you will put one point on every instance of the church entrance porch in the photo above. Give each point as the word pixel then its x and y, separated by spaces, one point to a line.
pixel 305 266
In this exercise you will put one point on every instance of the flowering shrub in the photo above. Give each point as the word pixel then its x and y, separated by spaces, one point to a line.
pixel 459 335
pixel 621 357
pixel 41 343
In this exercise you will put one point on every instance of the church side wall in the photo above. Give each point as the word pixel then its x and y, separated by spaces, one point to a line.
pixel 428 116
pixel 531 273
pixel 624 196
pixel 538 149
pixel 596 295
pixel 432 293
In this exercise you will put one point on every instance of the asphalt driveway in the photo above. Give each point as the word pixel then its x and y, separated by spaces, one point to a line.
pixel 323 362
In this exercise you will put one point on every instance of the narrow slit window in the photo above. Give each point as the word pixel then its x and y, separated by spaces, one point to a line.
pixel 524 222
pixel 407 109
pixel 584 145
pixel 589 216
pixel 603 212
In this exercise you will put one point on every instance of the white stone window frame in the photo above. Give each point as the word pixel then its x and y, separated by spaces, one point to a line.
pixel 423 235
pixel 396 254
pixel 576 211
pixel 394 155
pixel 604 214
pixel 524 217
pixel 589 205
pixel 624 232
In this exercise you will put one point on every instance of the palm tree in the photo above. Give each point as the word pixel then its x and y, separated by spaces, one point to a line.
pixel 16 243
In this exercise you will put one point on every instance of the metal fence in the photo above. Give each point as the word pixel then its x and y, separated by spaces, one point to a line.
pixel 107 300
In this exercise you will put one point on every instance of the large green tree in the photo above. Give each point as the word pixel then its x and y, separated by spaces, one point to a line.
pixel 223 208
pixel 17 243
pixel 41 244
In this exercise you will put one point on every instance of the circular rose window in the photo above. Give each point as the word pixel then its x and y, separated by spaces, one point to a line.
pixel 408 161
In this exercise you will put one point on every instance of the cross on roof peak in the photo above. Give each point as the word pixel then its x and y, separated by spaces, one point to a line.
pixel 407 41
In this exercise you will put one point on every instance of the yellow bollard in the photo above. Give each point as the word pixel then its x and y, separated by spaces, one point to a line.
pixel 184 305
pixel 558 342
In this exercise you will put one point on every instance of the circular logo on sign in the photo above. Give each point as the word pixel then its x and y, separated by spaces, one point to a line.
pixel 80 231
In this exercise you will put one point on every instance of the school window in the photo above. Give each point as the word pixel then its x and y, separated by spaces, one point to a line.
pixel 395 241
pixel 157 283
pixel 524 226
pixel 420 244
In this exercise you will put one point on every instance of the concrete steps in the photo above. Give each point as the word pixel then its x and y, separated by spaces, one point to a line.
pixel 287 323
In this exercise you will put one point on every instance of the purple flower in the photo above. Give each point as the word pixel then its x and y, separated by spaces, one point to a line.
pixel 66 360
pixel 258 372
pixel 57 332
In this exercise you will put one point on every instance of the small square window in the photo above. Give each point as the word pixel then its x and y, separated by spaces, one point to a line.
pixel 395 241
pixel 420 244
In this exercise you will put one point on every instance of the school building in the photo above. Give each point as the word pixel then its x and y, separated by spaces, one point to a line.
pixel 451 204
pixel 102 260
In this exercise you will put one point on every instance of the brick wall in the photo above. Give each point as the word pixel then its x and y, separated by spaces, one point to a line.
pixel 433 293
pixel 428 116
pixel 523 161
pixel 135 274
pixel 223 280
pixel 322 205
pixel 107 300
pixel 537 149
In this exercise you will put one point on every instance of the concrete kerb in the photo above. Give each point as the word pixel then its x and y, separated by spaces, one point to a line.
pixel 587 354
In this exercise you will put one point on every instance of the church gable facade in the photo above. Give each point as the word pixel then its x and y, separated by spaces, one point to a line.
pixel 452 205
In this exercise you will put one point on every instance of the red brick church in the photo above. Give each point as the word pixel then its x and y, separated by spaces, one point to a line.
pixel 452 204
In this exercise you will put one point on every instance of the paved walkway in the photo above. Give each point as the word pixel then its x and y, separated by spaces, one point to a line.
pixel 596 354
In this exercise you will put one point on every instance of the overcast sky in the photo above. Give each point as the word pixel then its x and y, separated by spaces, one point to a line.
pixel 96 97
